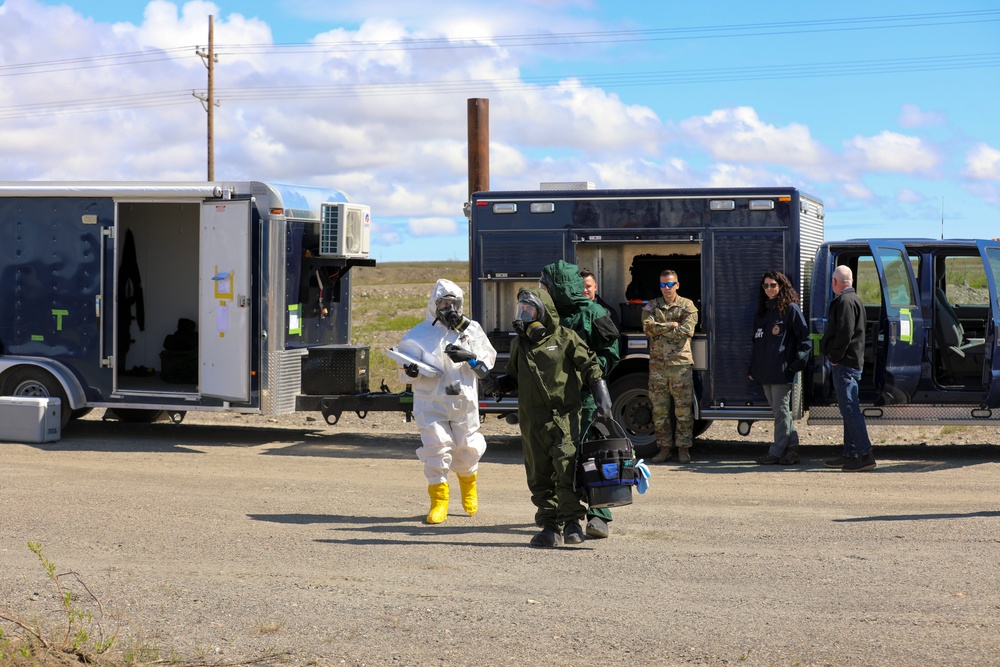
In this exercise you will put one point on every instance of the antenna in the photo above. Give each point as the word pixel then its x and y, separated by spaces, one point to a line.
pixel 942 218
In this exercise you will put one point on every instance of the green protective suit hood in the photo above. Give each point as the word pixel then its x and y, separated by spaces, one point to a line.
pixel 567 287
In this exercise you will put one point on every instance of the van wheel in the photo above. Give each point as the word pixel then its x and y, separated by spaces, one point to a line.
pixel 700 426
pixel 135 415
pixel 35 382
pixel 631 407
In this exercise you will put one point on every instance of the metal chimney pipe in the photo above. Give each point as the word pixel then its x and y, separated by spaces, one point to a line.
pixel 479 145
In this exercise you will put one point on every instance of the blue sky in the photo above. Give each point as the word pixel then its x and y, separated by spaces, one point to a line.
pixel 887 111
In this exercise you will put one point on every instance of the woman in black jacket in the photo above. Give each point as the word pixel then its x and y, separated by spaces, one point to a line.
pixel 781 348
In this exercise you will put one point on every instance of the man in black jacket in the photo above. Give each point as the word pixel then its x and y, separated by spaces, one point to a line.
pixel 844 345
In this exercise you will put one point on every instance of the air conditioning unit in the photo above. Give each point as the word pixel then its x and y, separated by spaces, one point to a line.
pixel 345 230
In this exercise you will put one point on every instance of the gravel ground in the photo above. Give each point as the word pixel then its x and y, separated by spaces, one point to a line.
pixel 228 538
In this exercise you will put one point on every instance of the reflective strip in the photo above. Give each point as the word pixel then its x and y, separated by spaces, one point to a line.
pixel 905 325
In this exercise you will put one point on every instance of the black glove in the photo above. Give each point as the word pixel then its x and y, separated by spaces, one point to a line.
pixel 603 399
pixel 458 354
pixel 490 387
pixel 411 370
pixel 506 384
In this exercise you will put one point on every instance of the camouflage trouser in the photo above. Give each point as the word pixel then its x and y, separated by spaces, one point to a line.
pixel 671 390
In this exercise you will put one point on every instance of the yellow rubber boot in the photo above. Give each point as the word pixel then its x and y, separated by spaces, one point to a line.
pixel 470 500
pixel 439 502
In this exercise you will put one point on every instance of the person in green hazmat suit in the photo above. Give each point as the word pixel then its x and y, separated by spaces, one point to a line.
pixel 548 366
pixel 592 323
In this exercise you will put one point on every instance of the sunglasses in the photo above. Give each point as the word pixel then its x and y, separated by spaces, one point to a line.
pixel 770 285
pixel 670 284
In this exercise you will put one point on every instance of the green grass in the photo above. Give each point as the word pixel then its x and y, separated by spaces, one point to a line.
pixel 387 301
pixel 410 273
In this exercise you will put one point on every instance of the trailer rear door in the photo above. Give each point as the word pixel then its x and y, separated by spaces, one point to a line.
pixel 224 306
pixel 901 330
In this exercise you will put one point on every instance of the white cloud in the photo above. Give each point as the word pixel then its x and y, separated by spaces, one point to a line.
pixel 913 116
pixel 891 152
pixel 908 196
pixel 857 191
pixel 982 163
pixel 738 135
pixel 433 226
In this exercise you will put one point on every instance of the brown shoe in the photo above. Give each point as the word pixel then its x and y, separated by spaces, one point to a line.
pixel 790 458
pixel 662 456
pixel 684 454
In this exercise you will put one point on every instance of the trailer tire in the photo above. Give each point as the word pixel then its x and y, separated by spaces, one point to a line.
pixel 631 407
pixel 36 382
pixel 136 415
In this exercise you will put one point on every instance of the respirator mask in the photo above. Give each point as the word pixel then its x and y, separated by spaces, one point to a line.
pixel 448 312
pixel 527 317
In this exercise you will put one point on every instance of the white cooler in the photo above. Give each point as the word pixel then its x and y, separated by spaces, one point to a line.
pixel 29 419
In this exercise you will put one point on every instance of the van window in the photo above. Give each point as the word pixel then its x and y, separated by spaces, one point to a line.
pixel 965 281
pixel 897 278
pixel 869 288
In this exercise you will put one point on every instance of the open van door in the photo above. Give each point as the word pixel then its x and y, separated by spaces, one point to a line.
pixel 224 300
pixel 990 252
pixel 901 332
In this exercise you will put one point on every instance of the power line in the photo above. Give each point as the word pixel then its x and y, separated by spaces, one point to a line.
pixel 523 40
pixel 470 86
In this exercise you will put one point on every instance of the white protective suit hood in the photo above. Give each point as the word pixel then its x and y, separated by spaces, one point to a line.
pixel 444 287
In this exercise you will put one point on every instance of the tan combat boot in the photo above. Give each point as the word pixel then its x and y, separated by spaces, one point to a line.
pixel 662 456
pixel 684 454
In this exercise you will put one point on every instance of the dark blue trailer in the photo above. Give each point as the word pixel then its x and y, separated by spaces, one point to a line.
pixel 150 297
pixel 718 240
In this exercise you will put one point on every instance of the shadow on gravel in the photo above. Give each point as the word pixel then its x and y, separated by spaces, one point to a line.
pixel 394 528
pixel 733 457
pixel 921 517
pixel 499 449
pixel 100 436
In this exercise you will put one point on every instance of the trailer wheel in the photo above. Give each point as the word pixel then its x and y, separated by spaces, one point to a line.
pixel 37 383
pixel 135 415
pixel 632 408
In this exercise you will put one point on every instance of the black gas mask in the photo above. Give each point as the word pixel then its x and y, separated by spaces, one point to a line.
pixel 527 318
pixel 448 311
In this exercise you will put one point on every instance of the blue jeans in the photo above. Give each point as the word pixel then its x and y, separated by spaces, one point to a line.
pixel 845 384
pixel 779 397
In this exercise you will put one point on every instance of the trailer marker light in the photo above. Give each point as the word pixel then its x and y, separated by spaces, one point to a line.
pixel 761 205
pixel 482 203
pixel 784 198
pixel 277 211
pixel 542 207
pixel 721 205
pixel 505 208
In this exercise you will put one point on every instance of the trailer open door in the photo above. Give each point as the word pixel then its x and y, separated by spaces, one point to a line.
pixel 990 252
pixel 899 347
pixel 224 300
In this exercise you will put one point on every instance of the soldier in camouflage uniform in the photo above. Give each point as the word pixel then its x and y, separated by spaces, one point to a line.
pixel 669 321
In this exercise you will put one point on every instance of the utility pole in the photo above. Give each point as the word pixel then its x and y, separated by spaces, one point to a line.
pixel 208 101
pixel 478 113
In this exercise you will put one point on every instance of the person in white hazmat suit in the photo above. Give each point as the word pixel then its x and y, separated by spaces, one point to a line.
pixel 446 406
